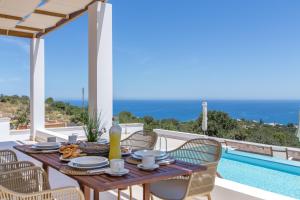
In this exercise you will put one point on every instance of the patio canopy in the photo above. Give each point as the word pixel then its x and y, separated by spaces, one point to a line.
pixel 35 18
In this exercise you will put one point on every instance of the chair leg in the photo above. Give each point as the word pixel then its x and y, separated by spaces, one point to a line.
pixel 119 194
pixel 208 197
pixel 130 192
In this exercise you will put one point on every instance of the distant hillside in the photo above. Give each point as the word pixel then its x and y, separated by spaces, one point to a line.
pixel 57 112
pixel 220 124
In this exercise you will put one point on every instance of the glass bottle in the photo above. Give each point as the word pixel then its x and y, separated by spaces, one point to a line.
pixel 115 139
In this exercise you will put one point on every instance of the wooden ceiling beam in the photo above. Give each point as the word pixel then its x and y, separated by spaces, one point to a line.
pixel 10 17
pixel 54 14
pixel 16 33
pixel 72 16
pixel 41 32
pixel 30 28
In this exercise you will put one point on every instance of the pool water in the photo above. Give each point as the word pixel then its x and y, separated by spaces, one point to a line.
pixel 271 174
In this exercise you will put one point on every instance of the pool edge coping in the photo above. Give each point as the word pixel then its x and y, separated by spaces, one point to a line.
pixel 250 190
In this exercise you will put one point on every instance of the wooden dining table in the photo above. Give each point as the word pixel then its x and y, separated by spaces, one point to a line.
pixel 103 182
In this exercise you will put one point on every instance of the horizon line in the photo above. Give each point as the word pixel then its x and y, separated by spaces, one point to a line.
pixel 178 99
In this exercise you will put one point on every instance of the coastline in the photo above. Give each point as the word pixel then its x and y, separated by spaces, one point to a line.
pixel 269 111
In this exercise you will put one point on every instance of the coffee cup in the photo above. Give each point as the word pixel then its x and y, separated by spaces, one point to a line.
pixel 51 139
pixel 117 165
pixel 148 161
pixel 72 139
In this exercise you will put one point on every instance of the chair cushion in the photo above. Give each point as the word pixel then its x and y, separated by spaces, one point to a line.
pixel 172 189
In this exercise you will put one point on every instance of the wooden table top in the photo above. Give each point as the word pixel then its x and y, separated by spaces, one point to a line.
pixel 105 182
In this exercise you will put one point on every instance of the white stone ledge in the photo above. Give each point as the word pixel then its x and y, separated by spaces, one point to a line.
pixel 187 136
pixel 226 189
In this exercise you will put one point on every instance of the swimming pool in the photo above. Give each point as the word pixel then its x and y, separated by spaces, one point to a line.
pixel 268 173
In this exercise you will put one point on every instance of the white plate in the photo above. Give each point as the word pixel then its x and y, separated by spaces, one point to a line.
pixel 47 144
pixel 70 164
pixel 88 161
pixel 155 166
pixel 44 148
pixel 155 153
pixel 156 158
pixel 122 173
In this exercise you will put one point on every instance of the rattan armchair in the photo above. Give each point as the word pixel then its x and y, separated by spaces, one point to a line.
pixel 138 141
pixel 31 184
pixel 7 156
pixel 201 151
pixel 15 166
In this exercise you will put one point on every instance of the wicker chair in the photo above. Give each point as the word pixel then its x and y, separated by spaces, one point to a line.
pixel 32 184
pixel 138 141
pixel 201 151
pixel 7 156
pixel 15 166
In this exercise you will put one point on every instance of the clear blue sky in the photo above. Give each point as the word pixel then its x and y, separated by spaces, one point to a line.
pixel 170 49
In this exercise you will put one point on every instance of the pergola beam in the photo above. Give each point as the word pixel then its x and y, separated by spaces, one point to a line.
pixel 10 17
pixel 16 33
pixel 54 14
pixel 30 28
pixel 71 17
pixel 41 32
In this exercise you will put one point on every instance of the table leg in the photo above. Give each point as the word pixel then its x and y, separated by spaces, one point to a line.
pixel 146 191
pixel 86 192
pixel 96 195
pixel 46 168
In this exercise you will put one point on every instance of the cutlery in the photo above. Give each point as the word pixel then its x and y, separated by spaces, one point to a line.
pixel 97 170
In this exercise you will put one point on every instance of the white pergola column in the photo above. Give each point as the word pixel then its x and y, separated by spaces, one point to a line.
pixel 100 61
pixel 37 86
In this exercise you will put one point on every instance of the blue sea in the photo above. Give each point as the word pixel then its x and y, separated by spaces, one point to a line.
pixel 278 111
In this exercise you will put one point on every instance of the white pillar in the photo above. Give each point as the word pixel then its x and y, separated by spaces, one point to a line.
pixel 37 86
pixel 100 61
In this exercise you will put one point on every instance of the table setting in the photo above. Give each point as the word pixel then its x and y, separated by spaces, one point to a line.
pixel 144 158
pixel 147 160
pixel 101 165
pixel 79 161
pixel 43 147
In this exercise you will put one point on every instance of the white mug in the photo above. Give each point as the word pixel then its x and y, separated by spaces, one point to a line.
pixel 117 165
pixel 51 139
pixel 148 161
pixel 72 139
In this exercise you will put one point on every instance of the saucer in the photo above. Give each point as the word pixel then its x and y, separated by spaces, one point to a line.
pixel 121 173
pixel 153 167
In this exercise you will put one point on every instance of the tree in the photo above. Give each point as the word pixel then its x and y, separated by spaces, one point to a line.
pixel 49 100
pixel 217 122
pixel 126 117
pixel 290 125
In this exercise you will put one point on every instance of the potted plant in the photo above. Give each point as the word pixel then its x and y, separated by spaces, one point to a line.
pixel 94 129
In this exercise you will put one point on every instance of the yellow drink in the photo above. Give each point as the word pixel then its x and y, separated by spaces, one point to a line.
pixel 114 149
pixel 115 139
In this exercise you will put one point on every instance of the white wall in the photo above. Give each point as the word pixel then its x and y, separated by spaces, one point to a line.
pixel 4 127
pixel 128 129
